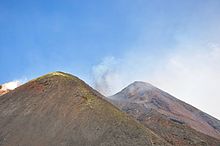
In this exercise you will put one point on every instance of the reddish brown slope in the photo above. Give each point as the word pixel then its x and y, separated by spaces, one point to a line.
pixel 169 117
pixel 60 110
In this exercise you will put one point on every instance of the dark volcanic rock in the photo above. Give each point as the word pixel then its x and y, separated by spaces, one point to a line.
pixel 58 109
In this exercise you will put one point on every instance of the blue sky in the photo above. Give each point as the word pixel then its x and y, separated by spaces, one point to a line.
pixel 45 35
pixel 114 42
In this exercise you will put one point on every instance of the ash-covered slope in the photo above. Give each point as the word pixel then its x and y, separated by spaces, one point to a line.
pixel 59 109
pixel 177 122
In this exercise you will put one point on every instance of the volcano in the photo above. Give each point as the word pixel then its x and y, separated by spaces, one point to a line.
pixel 174 120
pixel 60 109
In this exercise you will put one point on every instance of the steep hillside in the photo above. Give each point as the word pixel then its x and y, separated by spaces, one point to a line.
pixel 177 122
pixel 59 109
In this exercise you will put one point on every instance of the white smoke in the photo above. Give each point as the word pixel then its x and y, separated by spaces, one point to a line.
pixel 191 75
pixel 11 85
pixel 105 75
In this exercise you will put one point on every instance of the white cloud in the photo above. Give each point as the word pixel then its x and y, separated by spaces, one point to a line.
pixel 192 75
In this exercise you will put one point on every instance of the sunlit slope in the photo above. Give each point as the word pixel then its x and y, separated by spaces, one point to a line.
pixel 60 109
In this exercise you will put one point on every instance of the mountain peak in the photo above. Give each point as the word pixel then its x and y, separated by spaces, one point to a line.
pixel 141 84
pixel 136 88
pixel 61 109
pixel 57 73
pixel 140 97
pixel 57 78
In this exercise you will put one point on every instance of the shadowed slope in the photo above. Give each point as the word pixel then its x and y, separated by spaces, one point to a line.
pixel 59 109
pixel 169 117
